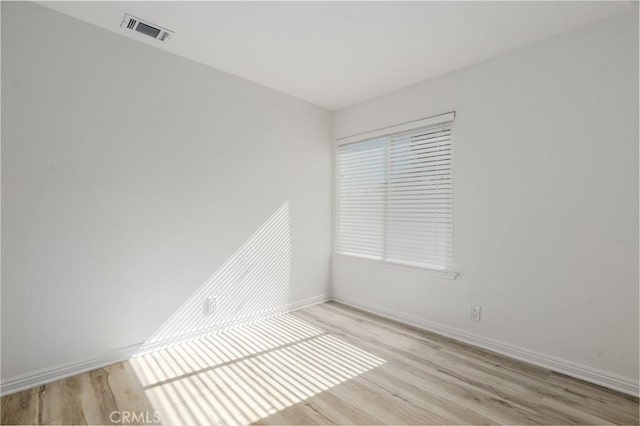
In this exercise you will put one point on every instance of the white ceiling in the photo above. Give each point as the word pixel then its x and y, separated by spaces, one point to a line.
pixel 335 54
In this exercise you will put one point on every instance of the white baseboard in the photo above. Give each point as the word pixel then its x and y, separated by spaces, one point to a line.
pixel 573 369
pixel 61 371
pixel 580 371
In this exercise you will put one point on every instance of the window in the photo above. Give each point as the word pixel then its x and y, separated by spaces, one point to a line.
pixel 395 195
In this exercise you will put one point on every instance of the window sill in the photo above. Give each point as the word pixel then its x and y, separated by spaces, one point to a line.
pixel 451 275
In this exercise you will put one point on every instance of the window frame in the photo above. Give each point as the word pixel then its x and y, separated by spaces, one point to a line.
pixel 386 132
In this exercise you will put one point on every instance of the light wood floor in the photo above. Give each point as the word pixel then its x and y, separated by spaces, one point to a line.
pixel 327 364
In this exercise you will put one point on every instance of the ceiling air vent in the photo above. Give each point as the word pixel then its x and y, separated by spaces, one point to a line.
pixel 147 28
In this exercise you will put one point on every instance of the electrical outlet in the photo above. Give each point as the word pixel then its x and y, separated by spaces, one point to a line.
pixel 210 305
pixel 475 312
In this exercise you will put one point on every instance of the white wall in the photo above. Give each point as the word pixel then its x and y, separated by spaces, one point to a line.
pixel 135 183
pixel 130 176
pixel 546 199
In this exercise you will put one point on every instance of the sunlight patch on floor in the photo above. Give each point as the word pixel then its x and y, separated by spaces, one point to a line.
pixel 242 375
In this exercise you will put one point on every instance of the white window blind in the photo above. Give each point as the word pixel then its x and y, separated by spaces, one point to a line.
pixel 395 197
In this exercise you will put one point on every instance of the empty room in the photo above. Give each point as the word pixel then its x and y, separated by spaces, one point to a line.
pixel 306 212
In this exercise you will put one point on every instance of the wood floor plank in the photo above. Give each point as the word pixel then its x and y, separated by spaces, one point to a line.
pixel 72 409
pixel 302 413
pixel 128 394
pixel 90 394
pixel 50 401
pixel 387 407
pixel 341 411
pixel 21 408
pixel 326 364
